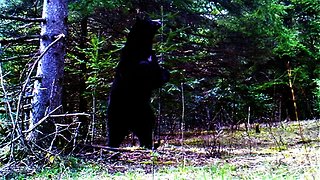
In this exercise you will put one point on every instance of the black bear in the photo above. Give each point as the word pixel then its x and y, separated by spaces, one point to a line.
pixel 137 74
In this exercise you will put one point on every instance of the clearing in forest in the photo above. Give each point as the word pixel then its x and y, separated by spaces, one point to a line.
pixel 289 150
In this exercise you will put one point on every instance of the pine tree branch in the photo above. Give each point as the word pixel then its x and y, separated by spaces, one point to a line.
pixel 23 19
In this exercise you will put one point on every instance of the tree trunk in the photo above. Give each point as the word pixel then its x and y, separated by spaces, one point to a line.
pixel 47 90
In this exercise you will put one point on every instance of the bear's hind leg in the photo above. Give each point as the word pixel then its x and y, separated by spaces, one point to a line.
pixel 116 136
pixel 145 137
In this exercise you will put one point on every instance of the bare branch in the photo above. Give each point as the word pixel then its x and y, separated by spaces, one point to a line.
pixel 67 115
pixel 15 125
pixel 23 19
pixel 117 149
pixel 31 70
pixel 25 56
pixel 18 39
pixel 41 120
pixel 50 115
pixel 23 89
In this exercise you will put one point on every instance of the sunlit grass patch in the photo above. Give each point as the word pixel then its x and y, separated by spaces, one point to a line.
pixel 263 170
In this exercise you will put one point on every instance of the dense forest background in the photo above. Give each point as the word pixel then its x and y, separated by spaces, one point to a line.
pixel 231 61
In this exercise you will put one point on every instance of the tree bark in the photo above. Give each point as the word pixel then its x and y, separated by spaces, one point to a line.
pixel 47 90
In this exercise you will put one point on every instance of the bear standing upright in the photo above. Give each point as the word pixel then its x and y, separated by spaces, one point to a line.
pixel 137 74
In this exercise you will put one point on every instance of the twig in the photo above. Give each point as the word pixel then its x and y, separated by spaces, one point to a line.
pixel 37 124
pixel 14 124
pixel 23 19
pixel 47 151
pixel 67 115
pixel 17 57
pixel 117 149
pixel 58 132
pixel 18 39
pixel 6 97
pixel 6 166
pixel 41 120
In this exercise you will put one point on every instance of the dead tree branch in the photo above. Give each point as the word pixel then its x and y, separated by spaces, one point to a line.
pixel 117 149
pixel 18 39
pixel 25 56
pixel 23 19
pixel 60 36
pixel 41 120
pixel 15 125
pixel 68 115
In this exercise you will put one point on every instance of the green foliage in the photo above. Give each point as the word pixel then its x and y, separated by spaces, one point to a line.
pixel 83 8
pixel 277 32
pixel 14 67
pixel 98 63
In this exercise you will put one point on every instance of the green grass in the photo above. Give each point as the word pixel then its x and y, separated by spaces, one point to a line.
pixel 85 171
pixel 223 171
pixel 89 171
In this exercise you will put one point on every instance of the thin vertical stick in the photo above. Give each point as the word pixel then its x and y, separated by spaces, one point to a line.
pixel 294 99
pixel 93 115
pixel 182 120
pixel 182 114
pixel 249 114
pixel 292 92
pixel 248 129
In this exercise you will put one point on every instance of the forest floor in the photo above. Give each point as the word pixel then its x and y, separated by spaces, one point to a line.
pixel 289 150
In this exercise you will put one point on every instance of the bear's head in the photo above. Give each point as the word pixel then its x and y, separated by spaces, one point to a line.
pixel 142 33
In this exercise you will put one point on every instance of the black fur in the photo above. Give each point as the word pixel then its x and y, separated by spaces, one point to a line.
pixel 137 74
